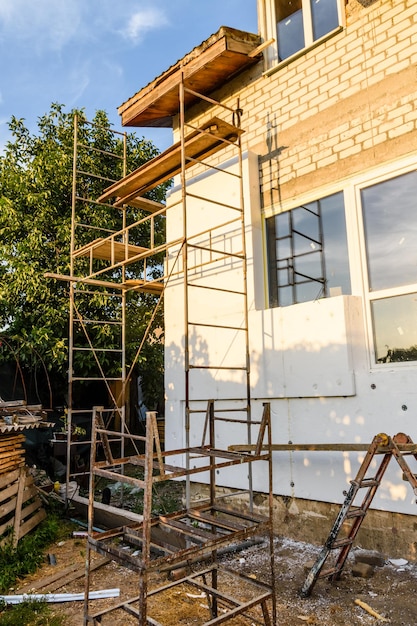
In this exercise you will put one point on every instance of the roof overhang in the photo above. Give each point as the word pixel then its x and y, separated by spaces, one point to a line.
pixel 205 69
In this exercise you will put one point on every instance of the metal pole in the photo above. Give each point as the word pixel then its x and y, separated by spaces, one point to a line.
pixel 72 288
pixel 90 513
pixel 186 302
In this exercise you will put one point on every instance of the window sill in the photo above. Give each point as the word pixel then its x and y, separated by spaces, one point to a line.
pixel 281 64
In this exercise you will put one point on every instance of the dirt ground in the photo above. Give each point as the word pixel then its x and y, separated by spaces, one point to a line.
pixel 389 591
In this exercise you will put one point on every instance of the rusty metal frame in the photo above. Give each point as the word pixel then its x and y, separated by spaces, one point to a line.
pixel 178 537
pixel 350 513
pixel 196 531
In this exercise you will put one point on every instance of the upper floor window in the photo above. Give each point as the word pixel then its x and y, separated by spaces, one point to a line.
pixel 307 252
pixel 297 24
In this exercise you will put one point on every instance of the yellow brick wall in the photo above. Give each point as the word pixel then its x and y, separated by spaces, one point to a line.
pixel 345 105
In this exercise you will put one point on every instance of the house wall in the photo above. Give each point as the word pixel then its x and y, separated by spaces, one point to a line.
pixel 342 113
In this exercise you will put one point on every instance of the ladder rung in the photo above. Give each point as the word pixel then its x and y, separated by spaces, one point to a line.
pixel 328 572
pixel 365 483
pixel 237 421
pixel 220 326
pixel 218 367
pixel 405 477
pixel 356 513
pixel 101 378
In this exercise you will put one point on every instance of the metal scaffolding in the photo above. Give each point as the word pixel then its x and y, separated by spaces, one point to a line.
pixel 194 259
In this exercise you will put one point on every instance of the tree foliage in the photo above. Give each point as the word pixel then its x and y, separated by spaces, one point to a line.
pixel 35 230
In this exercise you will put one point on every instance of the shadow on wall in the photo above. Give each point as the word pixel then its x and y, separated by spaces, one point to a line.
pixel 319 417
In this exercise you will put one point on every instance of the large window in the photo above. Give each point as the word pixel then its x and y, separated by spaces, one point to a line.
pixel 297 24
pixel 389 213
pixel 307 252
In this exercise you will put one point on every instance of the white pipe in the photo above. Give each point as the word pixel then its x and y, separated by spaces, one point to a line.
pixel 60 597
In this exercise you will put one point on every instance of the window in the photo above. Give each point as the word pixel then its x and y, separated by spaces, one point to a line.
pixel 307 252
pixel 297 24
pixel 389 212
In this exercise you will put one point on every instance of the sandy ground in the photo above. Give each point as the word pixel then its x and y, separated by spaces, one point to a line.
pixel 389 591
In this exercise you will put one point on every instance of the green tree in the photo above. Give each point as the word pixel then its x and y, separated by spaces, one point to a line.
pixel 35 230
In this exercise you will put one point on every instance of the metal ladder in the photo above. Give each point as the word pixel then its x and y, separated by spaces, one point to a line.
pixel 397 447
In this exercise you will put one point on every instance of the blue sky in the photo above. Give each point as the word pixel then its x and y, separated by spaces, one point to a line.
pixel 95 54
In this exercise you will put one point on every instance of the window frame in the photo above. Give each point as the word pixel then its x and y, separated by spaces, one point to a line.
pixel 384 174
pixel 268 29
pixel 351 187
pixel 307 199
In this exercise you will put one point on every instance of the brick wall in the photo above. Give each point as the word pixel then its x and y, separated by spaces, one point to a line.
pixel 345 105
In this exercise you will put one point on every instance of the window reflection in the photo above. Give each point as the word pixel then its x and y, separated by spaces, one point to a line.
pixel 324 16
pixel 307 252
pixel 395 328
pixel 389 211
pixel 290 27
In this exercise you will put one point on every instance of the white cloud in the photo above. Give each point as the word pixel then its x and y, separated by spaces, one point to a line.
pixel 142 22
pixel 45 24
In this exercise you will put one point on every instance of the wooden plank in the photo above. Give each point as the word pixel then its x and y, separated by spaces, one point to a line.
pixel 18 438
pixel 31 523
pixel 145 286
pixel 8 479
pixel 78 574
pixel 107 515
pixel 44 582
pixel 3 528
pixel 11 445
pixel 10 456
pixel 15 459
pixel 8 493
pixel 168 163
pixel 10 464
pixel 18 510
pixel 11 403
pixel 148 205
pixel 109 250
pixel 62 577
pixel 11 453
pixel 30 509
pixel 8 508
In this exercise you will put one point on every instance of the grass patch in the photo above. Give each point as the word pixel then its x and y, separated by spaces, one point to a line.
pixel 29 552
pixel 167 495
pixel 29 613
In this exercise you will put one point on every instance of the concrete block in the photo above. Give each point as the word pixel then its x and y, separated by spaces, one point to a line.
pixel 372 558
pixel 362 570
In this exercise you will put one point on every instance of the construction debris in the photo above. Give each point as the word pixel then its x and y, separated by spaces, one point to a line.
pixel 17 414
pixel 369 610
pixel 60 597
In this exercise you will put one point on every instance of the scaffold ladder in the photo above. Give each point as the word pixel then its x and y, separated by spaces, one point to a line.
pixel 351 515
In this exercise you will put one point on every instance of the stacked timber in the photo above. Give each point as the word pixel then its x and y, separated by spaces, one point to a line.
pixel 12 453
pixel 20 507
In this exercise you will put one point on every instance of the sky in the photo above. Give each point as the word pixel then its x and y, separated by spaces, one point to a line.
pixel 95 54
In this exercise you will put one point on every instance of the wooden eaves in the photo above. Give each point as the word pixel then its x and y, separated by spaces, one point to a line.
pixel 206 68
